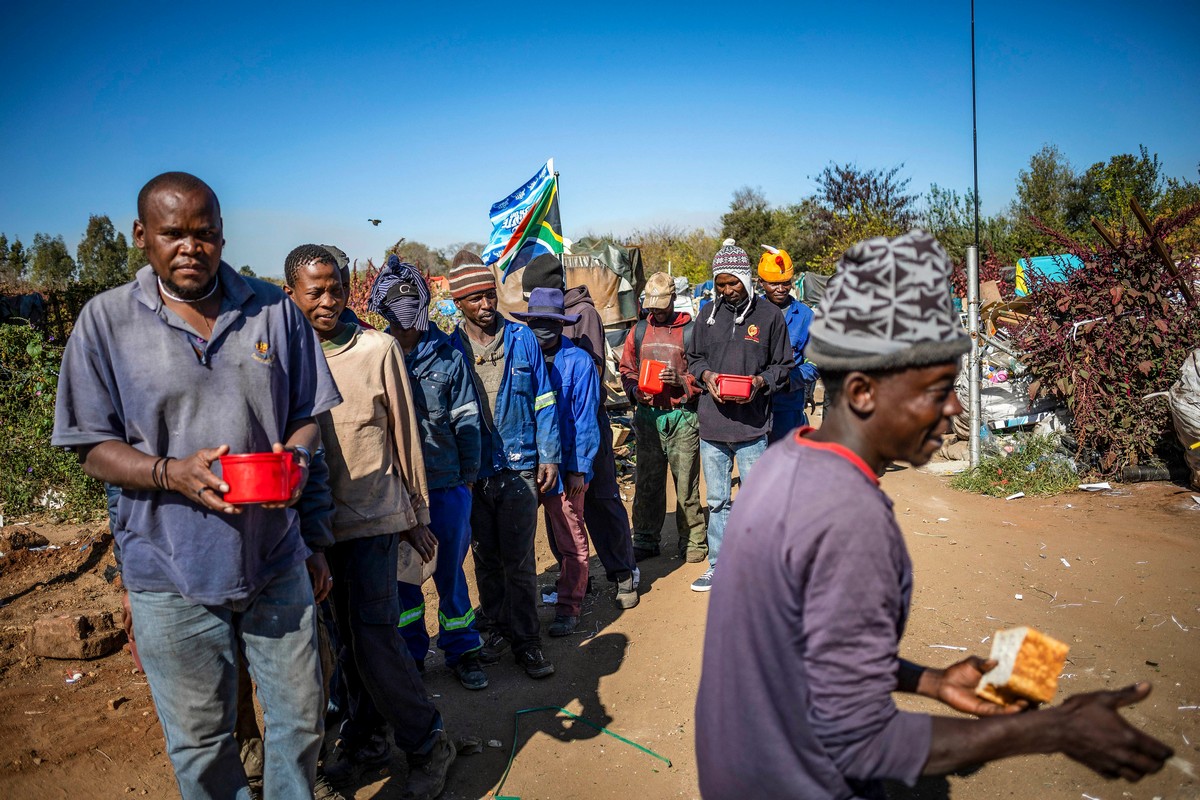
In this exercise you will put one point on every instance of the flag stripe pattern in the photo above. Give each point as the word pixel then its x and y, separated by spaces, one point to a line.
pixel 526 224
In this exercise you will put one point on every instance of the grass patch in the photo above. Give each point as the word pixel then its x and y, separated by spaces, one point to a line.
pixel 1025 463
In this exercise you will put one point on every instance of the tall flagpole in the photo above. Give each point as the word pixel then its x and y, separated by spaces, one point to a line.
pixel 973 363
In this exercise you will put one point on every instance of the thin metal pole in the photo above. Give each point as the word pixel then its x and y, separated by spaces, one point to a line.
pixel 974 128
pixel 973 376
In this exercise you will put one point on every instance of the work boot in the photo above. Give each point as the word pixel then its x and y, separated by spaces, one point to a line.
pixel 563 625
pixel 693 556
pixel 427 773
pixel 627 596
pixel 642 552
pixel 349 764
pixel 493 648
pixel 535 664
pixel 322 790
pixel 469 673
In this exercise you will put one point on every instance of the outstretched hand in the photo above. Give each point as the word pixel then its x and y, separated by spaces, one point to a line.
pixel 955 686
pixel 1095 735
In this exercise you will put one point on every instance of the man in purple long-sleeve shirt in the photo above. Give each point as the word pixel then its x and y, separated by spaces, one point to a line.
pixel 804 626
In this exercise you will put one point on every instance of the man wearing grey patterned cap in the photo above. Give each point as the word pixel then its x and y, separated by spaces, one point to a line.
pixel 816 580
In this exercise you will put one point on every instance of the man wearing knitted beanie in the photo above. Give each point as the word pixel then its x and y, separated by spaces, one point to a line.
pixel 736 336
pixel 816 580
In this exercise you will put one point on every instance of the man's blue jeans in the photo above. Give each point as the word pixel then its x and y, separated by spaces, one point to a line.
pixel 190 654
pixel 716 459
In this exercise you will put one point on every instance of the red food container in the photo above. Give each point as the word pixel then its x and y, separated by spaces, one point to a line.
pixel 260 477
pixel 648 376
pixel 735 387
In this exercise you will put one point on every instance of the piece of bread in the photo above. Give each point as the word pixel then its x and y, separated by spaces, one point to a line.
pixel 1028 664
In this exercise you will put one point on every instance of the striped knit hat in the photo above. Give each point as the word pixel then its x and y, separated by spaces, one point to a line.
pixel 732 260
pixel 401 296
pixel 468 275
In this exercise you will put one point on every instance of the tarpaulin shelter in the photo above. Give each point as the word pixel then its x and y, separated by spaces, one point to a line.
pixel 1054 268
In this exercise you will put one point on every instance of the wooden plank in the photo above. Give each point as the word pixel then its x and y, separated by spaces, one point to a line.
pixel 1161 250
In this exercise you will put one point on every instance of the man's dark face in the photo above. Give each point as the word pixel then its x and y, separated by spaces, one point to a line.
pixel 407 338
pixel 182 237
pixel 479 308
pixel 664 315
pixel 731 288
pixel 778 292
pixel 548 333
pixel 320 296
pixel 915 407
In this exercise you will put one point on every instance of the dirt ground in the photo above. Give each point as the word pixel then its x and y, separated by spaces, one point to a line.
pixel 1128 604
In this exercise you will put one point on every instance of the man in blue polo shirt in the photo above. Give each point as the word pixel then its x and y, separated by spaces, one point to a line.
pixel 161 377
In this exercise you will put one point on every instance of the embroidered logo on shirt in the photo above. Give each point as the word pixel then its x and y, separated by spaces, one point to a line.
pixel 752 333
pixel 262 353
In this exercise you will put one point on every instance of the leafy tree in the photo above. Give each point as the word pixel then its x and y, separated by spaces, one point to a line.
pixel 421 255
pixel 749 219
pixel 52 264
pixel 451 250
pixel 879 194
pixel 950 217
pixel 1105 189
pixel 102 253
pixel 247 271
pixel 16 261
pixel 687 252
pixel 135 259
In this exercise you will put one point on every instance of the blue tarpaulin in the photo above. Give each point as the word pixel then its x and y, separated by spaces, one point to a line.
pixel 1054 268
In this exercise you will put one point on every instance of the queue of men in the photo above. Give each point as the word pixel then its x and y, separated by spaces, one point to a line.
pixel 415 440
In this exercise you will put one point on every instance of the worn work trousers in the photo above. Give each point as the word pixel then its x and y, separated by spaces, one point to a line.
pixel 382 682
pixel 450 522
pixel 191 653
pixel 604 511
pixel 717 459
pixel 667 438
pixel 503 526
pixel 571 549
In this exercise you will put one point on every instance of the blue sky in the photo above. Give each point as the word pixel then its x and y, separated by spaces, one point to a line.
pixel 310 119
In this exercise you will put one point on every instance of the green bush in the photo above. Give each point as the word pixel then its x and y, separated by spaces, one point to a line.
pixel 30 469
pixel 1025 463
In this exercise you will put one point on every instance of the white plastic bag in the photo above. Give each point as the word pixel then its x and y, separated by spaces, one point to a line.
pixel 1184 401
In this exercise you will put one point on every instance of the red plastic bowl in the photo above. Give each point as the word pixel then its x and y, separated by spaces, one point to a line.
pixel 649 379
pixel 260 477
pixel 735 387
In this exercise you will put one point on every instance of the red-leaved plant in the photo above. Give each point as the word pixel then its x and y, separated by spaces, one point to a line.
pixel 1117 329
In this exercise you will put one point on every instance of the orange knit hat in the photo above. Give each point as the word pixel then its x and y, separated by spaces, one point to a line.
pixel 775 265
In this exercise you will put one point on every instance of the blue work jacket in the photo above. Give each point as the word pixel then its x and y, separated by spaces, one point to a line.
pixel 524 429
pixel 577 392
pixel 799 318
pixel 447 410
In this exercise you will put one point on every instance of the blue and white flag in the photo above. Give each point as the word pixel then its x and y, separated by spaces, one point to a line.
pixel 526 223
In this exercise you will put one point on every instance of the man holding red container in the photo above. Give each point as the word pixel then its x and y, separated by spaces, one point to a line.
pixel 654 372
pixel 161 378
pixel 741 355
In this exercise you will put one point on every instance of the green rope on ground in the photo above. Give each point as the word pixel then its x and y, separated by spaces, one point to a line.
pixel 516 728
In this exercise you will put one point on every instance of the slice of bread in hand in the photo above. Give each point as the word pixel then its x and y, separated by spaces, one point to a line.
pixel 1028 664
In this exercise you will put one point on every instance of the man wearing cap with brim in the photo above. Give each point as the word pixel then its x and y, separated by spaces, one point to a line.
pixel 577 394
pixel 776 275
pixel 521 452
pixel 801 647
pixel 667 428
pixel 737 335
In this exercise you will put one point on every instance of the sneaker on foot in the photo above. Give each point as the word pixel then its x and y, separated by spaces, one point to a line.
pixel 704 582
pixel 427 773
pixel 535 664
pixel 493 648
pixel 469 673
pixel 348 765
pixel 563 625
pixel 627 596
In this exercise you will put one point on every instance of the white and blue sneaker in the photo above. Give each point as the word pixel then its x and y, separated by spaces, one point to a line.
pixel 704 582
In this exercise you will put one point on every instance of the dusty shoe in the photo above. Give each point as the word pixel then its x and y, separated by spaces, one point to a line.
pixel 322 790
pixel 695 556
pixel 627 596
pixel 642 553
pixel 349 764
pixel 535 664
pixel 427 773
pixel 493 648
pixel 563 625
pixel 469 672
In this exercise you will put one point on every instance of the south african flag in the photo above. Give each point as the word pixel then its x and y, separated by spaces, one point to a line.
pixel 526 223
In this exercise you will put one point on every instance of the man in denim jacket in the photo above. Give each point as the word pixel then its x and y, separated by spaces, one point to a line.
pixel 520 456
